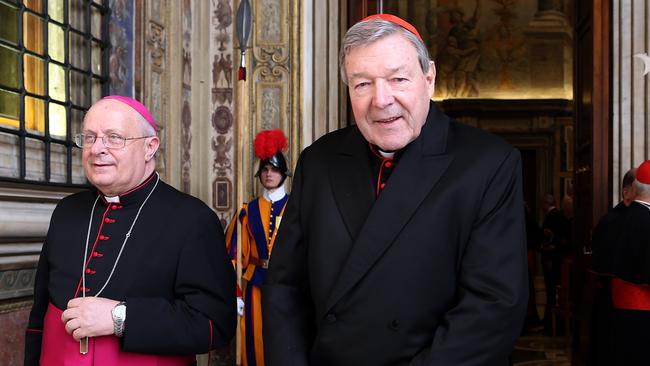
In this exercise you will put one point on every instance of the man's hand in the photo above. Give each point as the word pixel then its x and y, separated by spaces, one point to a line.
pixel 89 317
pixel 240 306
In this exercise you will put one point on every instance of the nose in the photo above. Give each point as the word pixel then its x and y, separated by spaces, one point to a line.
pixel 383 94
pixel 98 146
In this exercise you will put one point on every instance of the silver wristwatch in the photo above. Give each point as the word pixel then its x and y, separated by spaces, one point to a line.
pixel 119 318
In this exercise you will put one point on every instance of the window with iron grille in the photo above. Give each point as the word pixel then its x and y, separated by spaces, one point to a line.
pixel 53 58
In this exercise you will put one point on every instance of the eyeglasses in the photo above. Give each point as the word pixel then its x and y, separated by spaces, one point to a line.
pixel 111 141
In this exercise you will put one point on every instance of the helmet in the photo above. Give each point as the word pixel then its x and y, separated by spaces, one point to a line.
pixel 268 148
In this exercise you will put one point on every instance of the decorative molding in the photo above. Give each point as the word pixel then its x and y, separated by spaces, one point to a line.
pixel 11 307
pixel 156 40
pixel 31 195
pixel 273 22
pixel 269 101
pixel 24 219
pixel 121 60
pixel 17 283
pixel 155 78
pixel 221 118
pixel 270 94
pixel 186 112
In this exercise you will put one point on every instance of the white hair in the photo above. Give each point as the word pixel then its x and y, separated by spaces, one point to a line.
pixel 147 129
pixel 642 190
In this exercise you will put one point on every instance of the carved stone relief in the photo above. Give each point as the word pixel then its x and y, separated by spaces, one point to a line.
pixel 17 283
pixel 186 113
pixel 269 94
pixel 221 54
pixel 270 99
pixel 155 73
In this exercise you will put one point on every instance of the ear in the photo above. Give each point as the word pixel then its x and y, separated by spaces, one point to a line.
pixel 151 146
pixel 430 76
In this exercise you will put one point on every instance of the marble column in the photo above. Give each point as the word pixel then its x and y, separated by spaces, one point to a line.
pixel 630 89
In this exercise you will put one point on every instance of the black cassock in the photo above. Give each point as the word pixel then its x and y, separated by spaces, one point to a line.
pixel 604 239
pixel 173 273
pixel 632 265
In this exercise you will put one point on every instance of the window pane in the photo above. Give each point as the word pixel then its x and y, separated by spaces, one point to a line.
pixel 33 33
pixel 78 176
pixel 77 51
pixel 35 160
pixel 9 109
pixel 55 42
pixel 9 62
pixel 35 115
pixel 97 59
pixel 58 162
pixel 33 75
pixel 76 14
pixel 9 21
pixel 76 121
pixel 55 10
pixel 97 90
pixel 56 79
pixel 96 22
pixel 78 89
pixel 9 156
pixel 57 119
pixel 35 5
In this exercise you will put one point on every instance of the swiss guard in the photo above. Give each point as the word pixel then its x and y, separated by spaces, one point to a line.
pixel 258 224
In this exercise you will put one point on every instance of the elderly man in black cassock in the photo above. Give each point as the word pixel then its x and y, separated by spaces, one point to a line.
pixel 132 272
pixel 630 284
pixel 603 244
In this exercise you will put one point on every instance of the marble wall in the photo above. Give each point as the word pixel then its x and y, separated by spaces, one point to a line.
pixel 631 87
pixel 12 337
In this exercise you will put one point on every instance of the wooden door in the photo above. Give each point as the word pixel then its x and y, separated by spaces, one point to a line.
pixel 592 185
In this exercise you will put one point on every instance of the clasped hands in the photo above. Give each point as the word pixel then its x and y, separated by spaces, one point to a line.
pixel 89 317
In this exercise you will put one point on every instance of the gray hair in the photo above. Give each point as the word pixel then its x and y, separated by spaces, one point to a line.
pixel 145 127
pixel 370 31
pixel 642 190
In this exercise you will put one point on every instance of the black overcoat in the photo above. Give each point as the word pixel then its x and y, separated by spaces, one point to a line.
pixel 430 272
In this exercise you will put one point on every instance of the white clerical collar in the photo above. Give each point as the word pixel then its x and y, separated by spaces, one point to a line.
pixel 645 203
pixel 276 195
pixel 114 199
pixel 387 155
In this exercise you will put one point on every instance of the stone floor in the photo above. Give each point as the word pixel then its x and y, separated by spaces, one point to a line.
pixel 536 349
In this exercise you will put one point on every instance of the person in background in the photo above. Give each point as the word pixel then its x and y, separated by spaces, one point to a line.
pixel 132 271
pixel 403 241
pixel 533 240
pixel 630 284
pixel 554 245
pixel 604 238
pixel 257 223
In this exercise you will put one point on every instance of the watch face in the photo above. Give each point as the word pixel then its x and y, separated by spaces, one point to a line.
pixel 119 311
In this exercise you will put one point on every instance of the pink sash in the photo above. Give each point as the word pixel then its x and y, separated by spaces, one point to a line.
pixel 60 349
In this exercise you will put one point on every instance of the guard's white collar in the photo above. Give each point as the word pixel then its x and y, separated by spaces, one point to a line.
pixel 276 195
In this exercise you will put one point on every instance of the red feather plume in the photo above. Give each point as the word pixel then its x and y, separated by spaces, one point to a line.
pixel 268 142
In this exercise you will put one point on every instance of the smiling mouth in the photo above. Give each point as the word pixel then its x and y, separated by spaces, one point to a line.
pixel 387 120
